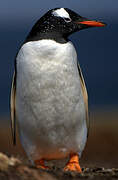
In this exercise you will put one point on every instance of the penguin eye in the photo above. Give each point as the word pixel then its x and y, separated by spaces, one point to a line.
pixel 67 19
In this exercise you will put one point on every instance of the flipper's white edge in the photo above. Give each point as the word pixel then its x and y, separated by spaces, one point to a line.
pixel 13 108
pixel 85 96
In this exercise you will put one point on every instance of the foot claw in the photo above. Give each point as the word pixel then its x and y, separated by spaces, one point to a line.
pixel 40 164
pixel 42 167
pixel 73 167
pixel 73 164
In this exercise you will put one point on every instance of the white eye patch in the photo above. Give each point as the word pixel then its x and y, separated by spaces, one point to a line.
pixel 61 13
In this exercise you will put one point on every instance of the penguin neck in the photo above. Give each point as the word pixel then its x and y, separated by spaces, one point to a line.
pixel 51 35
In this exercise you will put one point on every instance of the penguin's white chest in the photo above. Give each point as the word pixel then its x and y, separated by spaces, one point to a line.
pixel 49 100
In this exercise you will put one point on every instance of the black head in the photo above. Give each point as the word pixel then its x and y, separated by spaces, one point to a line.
pixel 58 24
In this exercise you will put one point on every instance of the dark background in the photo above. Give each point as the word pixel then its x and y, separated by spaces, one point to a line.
pixel 98 56
pixel 97 48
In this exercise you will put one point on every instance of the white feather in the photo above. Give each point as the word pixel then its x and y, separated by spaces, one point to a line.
pixel 49 102
pixel 61 13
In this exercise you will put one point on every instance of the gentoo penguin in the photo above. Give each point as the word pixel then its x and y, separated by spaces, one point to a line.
pixel 48 97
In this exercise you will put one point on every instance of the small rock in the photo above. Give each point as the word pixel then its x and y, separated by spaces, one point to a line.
pixel 4 162
pixel 115 169
pixel 98 169
pixel 14 161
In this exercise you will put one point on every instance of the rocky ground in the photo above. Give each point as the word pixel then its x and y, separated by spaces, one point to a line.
pixel 99 159
pixel 12 168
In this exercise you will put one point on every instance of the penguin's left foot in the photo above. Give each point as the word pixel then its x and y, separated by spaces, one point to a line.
pixel 40 164
pixel 73 164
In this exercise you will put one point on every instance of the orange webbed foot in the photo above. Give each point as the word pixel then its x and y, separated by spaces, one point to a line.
pixel 40 164
pixel 73 164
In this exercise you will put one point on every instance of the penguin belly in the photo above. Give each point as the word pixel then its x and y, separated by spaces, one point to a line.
pixel 50 108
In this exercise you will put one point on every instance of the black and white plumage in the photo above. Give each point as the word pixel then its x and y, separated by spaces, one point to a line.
pixel 49 98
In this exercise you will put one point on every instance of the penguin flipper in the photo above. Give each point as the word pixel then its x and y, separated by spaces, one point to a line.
pixel 13 108
pixel 85 96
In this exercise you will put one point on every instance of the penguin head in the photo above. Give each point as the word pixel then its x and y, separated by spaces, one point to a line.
pixel 59 23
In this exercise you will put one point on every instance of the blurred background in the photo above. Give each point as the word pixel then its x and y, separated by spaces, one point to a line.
pixel 98 56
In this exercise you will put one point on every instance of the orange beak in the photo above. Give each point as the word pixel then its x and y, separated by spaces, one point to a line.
pixel 92 23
